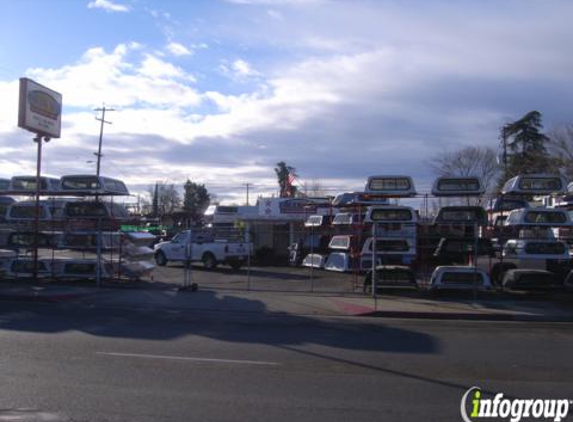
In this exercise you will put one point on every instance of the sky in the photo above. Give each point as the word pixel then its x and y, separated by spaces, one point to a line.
pixel 219 91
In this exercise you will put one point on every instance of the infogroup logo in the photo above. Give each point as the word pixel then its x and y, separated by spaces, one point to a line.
pixel 513 409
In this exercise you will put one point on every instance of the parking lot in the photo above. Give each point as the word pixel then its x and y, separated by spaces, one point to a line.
pixel 277 279
pixel 304 280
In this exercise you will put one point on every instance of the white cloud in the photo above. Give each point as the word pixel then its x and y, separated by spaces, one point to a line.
pixel 239 70
pixel 156 68
pixel 178 49
pixel 124 77
pixel 275 14
pixel 108 6
pixel 244 69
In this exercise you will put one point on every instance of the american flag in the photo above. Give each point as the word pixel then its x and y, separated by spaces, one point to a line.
pixel 291 178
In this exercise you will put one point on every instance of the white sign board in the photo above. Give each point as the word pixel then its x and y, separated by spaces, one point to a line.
pixel 291 209
pixel 40 109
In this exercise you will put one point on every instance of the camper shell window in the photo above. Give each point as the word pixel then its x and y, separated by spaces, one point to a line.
pixel 81 183
pixel 27 266
pixel 313 221
pixel 459 215
pixel 462 215
pixel 28 240
pixel 86 209
pixel 340 242
pixel 227 209
pixel 545 248
pixel 545 217
pixel 116 186
pixel 390 245
pixel 398 184
pixel 457 185
pixel 392 214
pixel 28 183
pixel 506 204
pixel 461 246
pixel 26 211
pixel 539 183
pixel 80 240
pixel 343 218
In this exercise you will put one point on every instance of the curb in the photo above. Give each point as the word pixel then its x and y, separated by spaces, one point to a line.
pixel 38 298
pixel 451 316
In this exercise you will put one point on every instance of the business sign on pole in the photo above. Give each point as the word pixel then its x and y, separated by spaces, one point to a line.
pixel 40 109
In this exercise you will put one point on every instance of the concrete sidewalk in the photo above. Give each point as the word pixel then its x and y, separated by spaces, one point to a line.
pixel 391 305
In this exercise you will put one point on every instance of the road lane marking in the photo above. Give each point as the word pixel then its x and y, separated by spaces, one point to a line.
pixel 211 360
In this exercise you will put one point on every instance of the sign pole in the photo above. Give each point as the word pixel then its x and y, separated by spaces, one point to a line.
pixel 312 258
pixel 40 112
pixel 38 139
pixel 374 280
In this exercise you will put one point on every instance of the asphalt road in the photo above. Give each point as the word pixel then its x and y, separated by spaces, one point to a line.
pixel 65 363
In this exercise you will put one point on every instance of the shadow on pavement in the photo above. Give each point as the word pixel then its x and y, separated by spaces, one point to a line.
pixel 251 323
pixel 295 334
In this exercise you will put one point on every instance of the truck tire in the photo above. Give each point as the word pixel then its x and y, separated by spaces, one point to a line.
pixel 160 259
pixel 209 261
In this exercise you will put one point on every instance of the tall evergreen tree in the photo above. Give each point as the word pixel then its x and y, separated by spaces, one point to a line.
pixel 284 174
pixel 195 200
pixel 527 147
pixel 155 206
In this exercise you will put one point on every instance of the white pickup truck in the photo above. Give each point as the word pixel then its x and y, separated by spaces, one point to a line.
pixel 199 246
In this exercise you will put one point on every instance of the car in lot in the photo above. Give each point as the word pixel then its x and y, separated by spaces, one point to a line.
pixel 531 279
pixel 201 246
pixel 459 278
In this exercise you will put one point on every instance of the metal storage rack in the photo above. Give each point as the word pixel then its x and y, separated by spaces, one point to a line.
pixel 71 235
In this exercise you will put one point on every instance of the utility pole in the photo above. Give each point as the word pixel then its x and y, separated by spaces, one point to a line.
pixel 504 139
pixel 102 120
pixel 248 185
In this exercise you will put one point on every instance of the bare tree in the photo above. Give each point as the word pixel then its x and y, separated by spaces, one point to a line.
pixel 165 197
pixel 314 188
pixel 561 149
pixel 468 161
